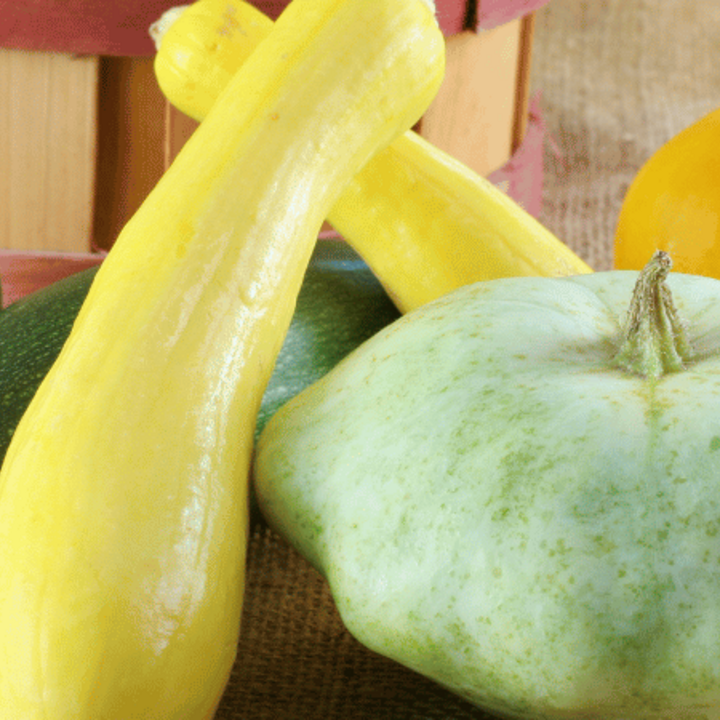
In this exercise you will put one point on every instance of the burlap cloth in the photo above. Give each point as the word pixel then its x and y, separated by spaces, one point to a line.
pixel 618 79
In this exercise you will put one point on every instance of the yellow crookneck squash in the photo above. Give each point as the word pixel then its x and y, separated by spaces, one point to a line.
pixel 424 222
pixel 123 495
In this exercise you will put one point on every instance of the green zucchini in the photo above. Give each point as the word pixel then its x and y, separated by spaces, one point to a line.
pixel 341 304
pixel 32 331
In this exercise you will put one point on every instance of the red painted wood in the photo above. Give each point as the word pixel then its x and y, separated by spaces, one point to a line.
pixel 99 27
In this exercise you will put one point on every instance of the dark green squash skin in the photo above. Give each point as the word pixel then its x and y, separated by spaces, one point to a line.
pixel 341 304
pixel 32 332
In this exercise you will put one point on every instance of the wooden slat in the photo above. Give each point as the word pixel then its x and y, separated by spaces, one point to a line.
pixel 131 143
pixel 522 95
pixel 48 106
pixel 178 129
pixel 474 113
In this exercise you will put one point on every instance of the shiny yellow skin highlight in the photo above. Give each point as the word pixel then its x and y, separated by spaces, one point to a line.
pixel 424 222
pixel 673 204
pixel 123 495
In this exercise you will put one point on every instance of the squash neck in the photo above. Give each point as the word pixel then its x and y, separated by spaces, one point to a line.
pixel 654 339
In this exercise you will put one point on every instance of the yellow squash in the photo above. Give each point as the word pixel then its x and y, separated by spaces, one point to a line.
pixel 424 222
pixel 212 39
pixel 673 204
pixel 123 495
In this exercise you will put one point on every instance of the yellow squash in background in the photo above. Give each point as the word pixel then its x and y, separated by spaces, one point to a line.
pixel 123 495
pixel 424 222
pixel 673 204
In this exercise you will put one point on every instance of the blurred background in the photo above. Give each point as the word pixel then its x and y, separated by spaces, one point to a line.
pixel 618 79
pixel 86 133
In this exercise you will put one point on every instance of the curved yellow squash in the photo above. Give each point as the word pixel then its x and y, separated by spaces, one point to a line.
pixel 123 496
pixel 673 204
pixel 424 222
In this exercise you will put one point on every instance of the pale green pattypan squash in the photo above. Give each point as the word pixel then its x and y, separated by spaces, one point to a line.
pixel 515 490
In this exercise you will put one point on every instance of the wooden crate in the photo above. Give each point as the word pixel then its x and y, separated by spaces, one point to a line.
pixel 83 139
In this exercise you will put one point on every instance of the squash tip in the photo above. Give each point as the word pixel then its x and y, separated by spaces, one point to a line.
pixel 159 28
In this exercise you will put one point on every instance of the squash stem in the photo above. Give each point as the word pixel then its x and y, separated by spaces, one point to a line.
pixel 654 339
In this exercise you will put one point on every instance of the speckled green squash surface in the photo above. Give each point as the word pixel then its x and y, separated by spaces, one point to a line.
pixel 340 305
pixel 498 506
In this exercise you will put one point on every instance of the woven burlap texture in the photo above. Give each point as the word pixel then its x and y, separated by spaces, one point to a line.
pixel 618 79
